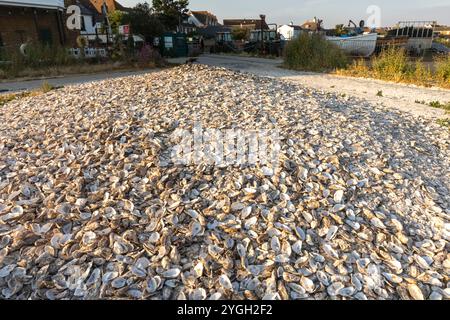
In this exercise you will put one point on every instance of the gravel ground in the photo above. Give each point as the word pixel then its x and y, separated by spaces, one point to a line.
pixel 396 96
pixel 90 206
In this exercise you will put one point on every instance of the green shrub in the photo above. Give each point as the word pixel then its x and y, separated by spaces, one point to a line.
pixel 443 70
pixel 240 33
pixel 312 52
pixel 444 122
pixel 437 104
pixel 421 74
pixel 391 64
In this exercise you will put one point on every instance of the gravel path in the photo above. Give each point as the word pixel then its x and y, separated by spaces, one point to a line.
pixel 91 207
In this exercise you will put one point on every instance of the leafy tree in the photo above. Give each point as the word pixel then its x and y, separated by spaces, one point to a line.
pixel 170 11
pixel 116 19
pixel 144 22
pixel 240 33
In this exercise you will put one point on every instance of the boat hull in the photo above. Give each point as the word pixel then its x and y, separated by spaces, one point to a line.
pixel 361 46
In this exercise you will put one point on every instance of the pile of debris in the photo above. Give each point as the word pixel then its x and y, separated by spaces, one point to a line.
pixel 91 207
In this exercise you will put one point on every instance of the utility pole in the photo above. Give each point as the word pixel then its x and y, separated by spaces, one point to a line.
pixel 263 22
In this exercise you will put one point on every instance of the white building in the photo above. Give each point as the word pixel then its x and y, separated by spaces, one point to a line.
pixel 289 32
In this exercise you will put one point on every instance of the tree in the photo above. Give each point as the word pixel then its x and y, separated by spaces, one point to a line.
pixel 116 19
pixel 240 33
pixel 144 22
pixel 170 12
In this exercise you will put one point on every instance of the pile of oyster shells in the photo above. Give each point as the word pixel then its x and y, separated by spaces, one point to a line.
pixel 358 207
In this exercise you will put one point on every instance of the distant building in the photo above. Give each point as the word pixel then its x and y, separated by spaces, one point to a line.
pixel 442 31
pixel 202 19
pixel 251 24
pixel 187 27
pixel 22 21
pixel 203 23
pixel 312 25
pixel 90 17
pixel 419 33
pixel 93 12
pixel 94 19
pixel 289 32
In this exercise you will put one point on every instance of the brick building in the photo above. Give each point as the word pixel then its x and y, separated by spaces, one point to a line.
pixel 31 20
pixel 44 21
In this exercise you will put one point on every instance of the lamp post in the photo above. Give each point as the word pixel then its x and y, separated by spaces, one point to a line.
pixel 263 20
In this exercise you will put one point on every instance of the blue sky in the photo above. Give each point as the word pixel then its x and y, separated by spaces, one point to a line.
pixel 331 11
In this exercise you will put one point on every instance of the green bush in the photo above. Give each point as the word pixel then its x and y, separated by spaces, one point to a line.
pixel 240 34
pixel 312 52
pixel 391 64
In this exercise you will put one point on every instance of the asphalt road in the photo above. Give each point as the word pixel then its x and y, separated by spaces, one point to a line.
pixel 16 86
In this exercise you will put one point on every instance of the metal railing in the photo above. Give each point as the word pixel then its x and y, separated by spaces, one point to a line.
pixel 416 29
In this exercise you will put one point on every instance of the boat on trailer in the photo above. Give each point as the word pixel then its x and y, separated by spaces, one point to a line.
pixel 361 45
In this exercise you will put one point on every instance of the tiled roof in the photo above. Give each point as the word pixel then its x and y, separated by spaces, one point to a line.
pixel 203 15
pixel 245 22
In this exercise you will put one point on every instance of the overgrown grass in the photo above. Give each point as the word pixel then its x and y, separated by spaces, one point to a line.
pixel 443 70
pixel 312 52
pixel 29 73
pixel 444 122
pixel 54 61
pixel 5 98
pixel 44 88
pixel 437 104
pixel 37 57
pixel 393 64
